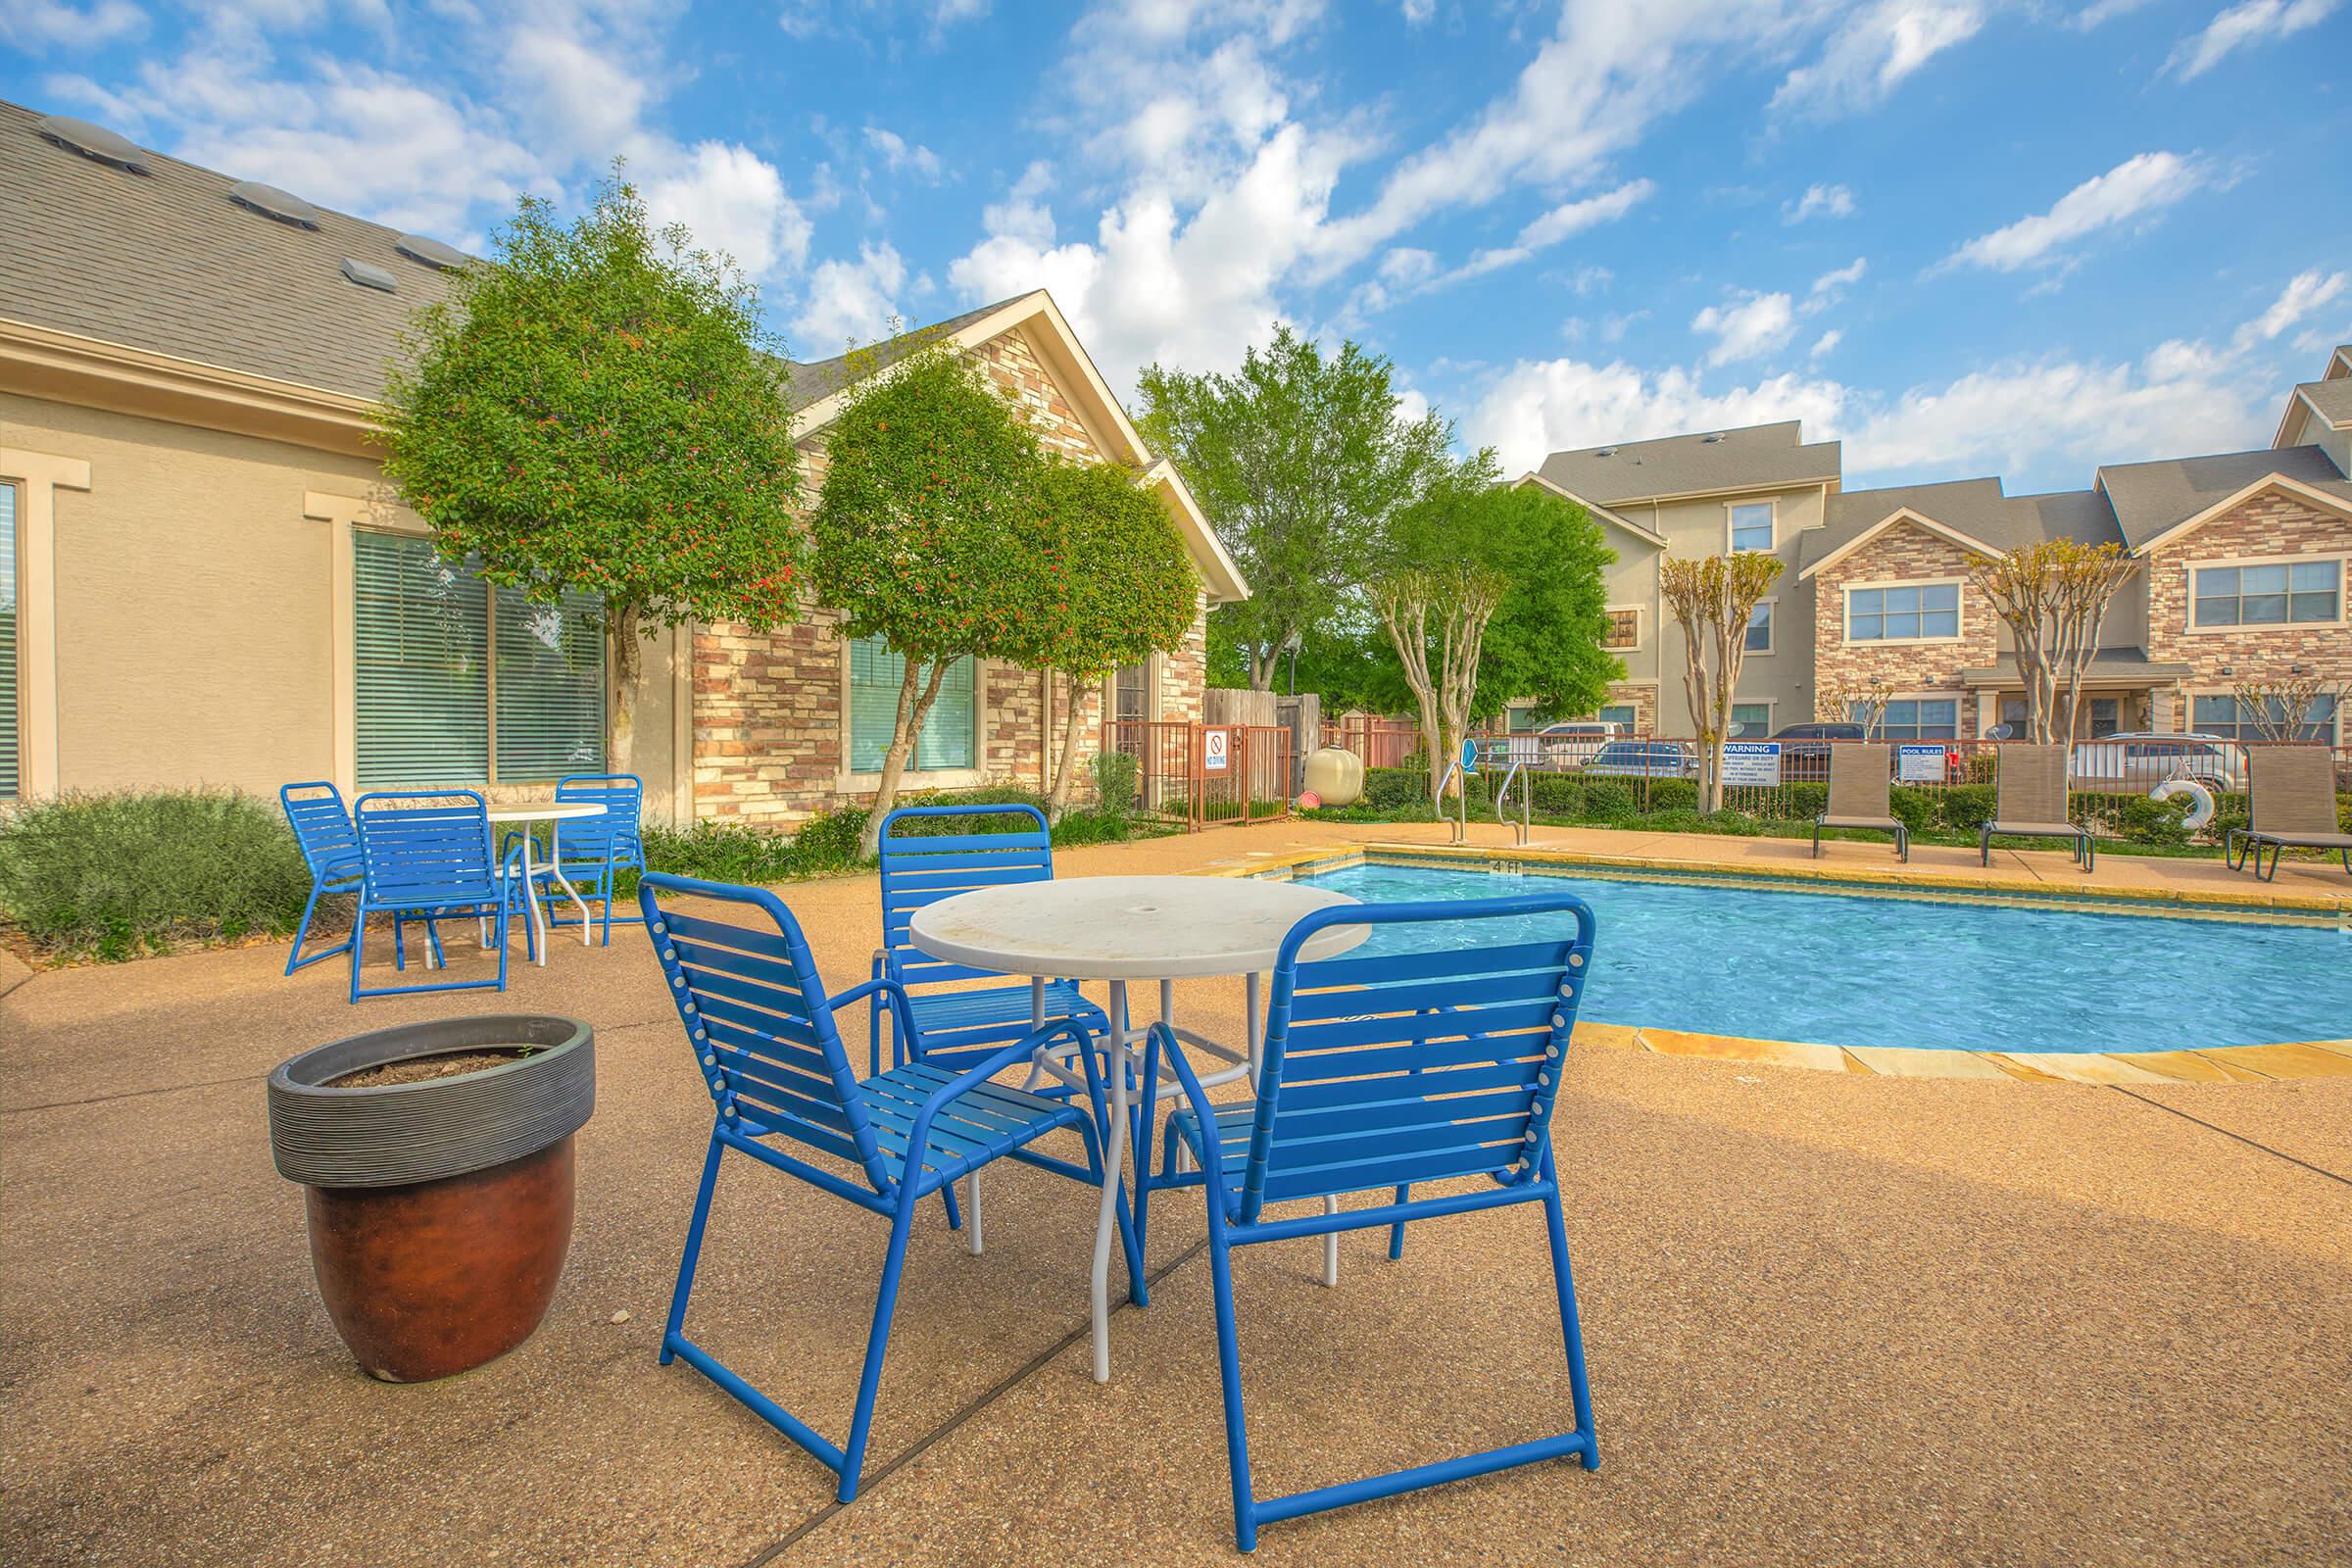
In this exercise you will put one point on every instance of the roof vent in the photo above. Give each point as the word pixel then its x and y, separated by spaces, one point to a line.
pixel 431 252
pixel 93 141
pixel 366 277
pixel 1606 452
pixel 271 202
pixel 1710 440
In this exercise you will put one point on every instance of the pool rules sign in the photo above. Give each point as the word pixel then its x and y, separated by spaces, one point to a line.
pixel 1214 744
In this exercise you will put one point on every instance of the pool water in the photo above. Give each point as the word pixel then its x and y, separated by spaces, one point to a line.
pixel 1856 970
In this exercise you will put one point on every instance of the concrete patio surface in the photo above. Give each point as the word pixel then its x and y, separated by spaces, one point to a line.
pixel 1830 1318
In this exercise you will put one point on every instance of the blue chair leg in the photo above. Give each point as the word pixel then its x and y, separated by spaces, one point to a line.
pixel 1570 1331
pixel 1229 1369
pixel 609 876
pixel 1131 1225
pixel 502 944
pixel 694 1252
pixel 399 944
pixel 869 1383
pixel 303 929
pixel 947 1195
pixel 1405 1191
pixel 359 930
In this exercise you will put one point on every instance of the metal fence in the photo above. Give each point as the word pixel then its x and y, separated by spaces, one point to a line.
pixel 1206 776
pixel 1379 742
pixel 1946 786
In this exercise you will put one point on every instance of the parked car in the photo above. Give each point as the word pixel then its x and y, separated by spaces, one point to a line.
pixel 1642 759
pixel 1570 746
pixel 1805 748
pixel 2135 763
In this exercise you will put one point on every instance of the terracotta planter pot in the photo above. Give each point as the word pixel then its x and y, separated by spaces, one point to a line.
pixel 440 1211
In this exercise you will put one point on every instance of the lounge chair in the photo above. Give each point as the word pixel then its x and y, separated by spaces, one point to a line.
pixel 2029 802
pixel 2293 808
pixel 1859 779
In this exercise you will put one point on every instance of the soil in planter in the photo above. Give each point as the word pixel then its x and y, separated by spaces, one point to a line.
pixel 421 1070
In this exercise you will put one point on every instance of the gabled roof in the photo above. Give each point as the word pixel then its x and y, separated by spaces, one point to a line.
pixel 1753 456
pixel 2154 502
pixel 1637 529
pixel 167 263
pixel 1972 513
pixel 2331 402
pixel 819 380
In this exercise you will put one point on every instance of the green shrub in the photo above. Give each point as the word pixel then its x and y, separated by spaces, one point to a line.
pixel 118 874
pixel 1116 777
pixel 1680 821
pixel 1736 824
pixel 1673 795
pixel 2150 821
pixel 1559 794
pixel 1608 800
pixel 1390 789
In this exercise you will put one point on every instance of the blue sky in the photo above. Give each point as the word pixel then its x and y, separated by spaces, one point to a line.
pixel 1964 236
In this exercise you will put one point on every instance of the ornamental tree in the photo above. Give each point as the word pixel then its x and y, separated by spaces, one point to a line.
pixel 931 483
pixel 1105 582
pixel 593 407
pixel 1299 462
pixel 2054 595
pixel 1711 600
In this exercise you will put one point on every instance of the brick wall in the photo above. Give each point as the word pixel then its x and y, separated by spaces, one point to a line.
pixel 769 741
pixel 1904 551
pixel 2271 525
pixel 1643 700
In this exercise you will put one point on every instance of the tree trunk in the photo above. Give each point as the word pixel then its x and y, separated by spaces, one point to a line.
pixel 622 650
pixel 915 697
pixel 1073 727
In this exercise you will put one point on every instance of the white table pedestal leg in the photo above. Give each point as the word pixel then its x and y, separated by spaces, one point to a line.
pixel 555 869
pixel 531 899
pixel 1115 1157
pixel 971 1209
pixel 1331 1247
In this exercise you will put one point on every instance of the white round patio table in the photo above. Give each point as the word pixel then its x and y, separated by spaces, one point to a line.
pixel 1127 928
pixel 557 812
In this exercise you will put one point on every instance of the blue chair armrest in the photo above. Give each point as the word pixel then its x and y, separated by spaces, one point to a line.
pixel 918 1136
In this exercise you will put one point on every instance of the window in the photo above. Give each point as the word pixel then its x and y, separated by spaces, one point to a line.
pixel 1751 527
pixel 1753 720
pixel 1621 715
pixel 1131 701
pixel 1920 720
pixel 1924 613
pixel 1522 721
pixel 460 683
pixel 1759 628
pixel 1625 630
pixel 2277 593
pixel 2229 717
pixel 11 691
pixel 947 737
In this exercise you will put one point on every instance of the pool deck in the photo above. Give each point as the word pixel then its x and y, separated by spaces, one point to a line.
pixel 1842 1317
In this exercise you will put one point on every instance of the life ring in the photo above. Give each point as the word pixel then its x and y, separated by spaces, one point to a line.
pixel 2200 808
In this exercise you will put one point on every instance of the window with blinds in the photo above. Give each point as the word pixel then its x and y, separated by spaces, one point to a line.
pixel 947 737
pixel 12 691
pixel 459 683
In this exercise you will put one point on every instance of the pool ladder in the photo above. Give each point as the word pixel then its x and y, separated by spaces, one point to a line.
pixel 1460 822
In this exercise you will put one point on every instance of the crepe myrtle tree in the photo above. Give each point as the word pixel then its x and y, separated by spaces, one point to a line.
pixel 2054 596
pixel 1711 599
pixel 932 479
pixel 594 408
pixel 1104 581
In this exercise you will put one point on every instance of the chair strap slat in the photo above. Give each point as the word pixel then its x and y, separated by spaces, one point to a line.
pixel 1390 968
pixel 1426 995
pixel 1503 1018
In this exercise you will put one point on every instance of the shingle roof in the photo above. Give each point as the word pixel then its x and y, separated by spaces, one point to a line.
pixel 1753 456
pixel 821 378
pixel 1976 508
pixel 2334 399
pixel 167 263
pixel 2150 497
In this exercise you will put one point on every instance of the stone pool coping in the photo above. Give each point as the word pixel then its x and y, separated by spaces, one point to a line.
pixel 2312 1059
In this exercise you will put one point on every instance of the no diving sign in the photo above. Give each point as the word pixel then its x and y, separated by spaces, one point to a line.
pixel 1212 749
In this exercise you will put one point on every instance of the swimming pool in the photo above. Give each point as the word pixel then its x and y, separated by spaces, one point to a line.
pixel 1852 970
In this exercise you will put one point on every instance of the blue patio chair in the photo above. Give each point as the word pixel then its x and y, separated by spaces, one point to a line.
pixel 763 1036
pixel 960 1022
pixel 594 851
pixel 1427 1064
pixel 426 855
pixel 331 847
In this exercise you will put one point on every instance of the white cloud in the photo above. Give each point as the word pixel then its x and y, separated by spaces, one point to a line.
pixel 1825 344
pixel 1591 280
pixel 2146 183
pixel 900 156
pixel 37 24
pixel 850 302
pixel 583 100
pixel 1417 12
pixel 735 202
pixel 1745 325
pixel 1870 52
pixel 2248 23
pixel 1538 408
pixel 2304 293
pixel 1563 222
pixel 1828 285
pixel 1818 200
pixel 2101 11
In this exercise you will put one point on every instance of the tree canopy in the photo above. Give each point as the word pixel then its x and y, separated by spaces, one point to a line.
pixel 921 533
pixel 1108 582
pixel 1300 460
pixel 593 407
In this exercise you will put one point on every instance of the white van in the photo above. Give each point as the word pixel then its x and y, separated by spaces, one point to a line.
pixel 1569 747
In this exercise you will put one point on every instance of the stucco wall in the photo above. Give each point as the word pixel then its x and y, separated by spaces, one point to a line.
pixel 195 608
